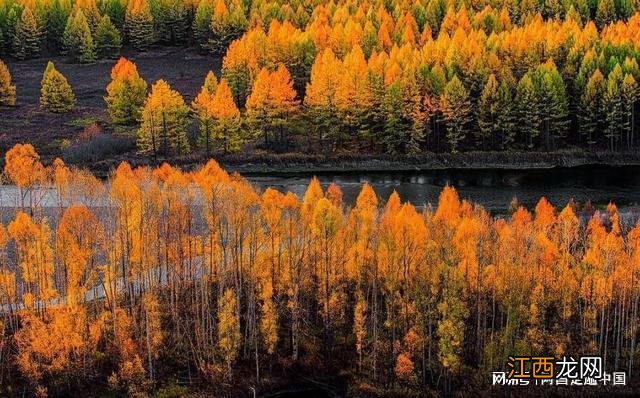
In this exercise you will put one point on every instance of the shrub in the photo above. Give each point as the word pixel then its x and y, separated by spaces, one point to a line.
pixel 98 147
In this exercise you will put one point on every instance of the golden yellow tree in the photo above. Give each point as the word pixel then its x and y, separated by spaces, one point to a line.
pixel 228 328
pixel 79 240
pixel 164 122
pixel 272 103
pixel 35 257
pixel 22 166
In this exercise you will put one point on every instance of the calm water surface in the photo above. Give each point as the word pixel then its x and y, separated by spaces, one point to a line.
pixel 493 188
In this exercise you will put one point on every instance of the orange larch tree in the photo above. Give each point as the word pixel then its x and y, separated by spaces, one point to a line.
pixel 272 104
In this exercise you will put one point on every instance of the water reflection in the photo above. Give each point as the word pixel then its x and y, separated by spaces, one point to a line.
pixel 494 188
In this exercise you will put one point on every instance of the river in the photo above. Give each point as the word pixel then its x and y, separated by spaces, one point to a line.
pixel 492 188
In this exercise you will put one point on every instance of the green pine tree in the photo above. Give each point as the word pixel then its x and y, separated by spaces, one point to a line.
pixel 584 8
pixel 227 25
pixel 554 108
pixel 495 115
pixel 240 77
pixel 56 94
pixel 629 93
pixel 574 15
pixel 505 117
pixel 591 113
pixel 527 111
pixel 369 40
pixel 435 13
pixel 9 16
pixel 56 16
pixel 613 63
pixel 588 65
pixel 139 24
pixel 302 57
pixel 202 24
pixel 456 109
pixel 86 46
pixel 27 37
pixel 77 39
pixel 395 123
pixel 90 10
pixel 107 38
pixel 605 13
pixel 626 8
pixel 210 84
pixel 614 102
pixel 552 9
pixel 630 66
pixel 116 10
pixel 415 113
pixel 170 18
pixel 373 115
pixel 488 113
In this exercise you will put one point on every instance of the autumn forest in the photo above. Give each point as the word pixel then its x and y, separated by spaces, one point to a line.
pixel 158 277
pixel 399 77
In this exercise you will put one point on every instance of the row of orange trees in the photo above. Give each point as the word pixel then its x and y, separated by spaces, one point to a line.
pixel 541 85
pixel 28 26
pixel 402 86
pixel 160 272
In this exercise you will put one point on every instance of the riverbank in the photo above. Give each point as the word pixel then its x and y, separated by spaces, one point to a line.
pixel 298 163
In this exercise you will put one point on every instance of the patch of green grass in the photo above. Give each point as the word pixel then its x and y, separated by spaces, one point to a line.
pixel 127 131
pixel 83 121
pixel 56 145
pixel 17 122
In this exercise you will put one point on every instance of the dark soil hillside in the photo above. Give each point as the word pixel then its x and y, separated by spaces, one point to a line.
pixel 183 69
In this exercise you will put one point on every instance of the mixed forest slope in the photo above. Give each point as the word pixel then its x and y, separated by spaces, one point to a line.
pixel 401 78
